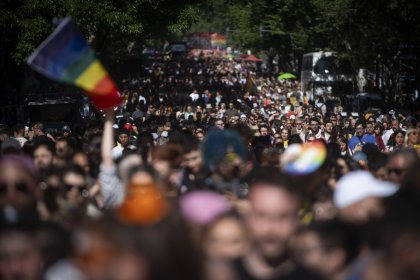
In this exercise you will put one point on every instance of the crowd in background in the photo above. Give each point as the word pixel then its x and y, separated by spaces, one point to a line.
pixel 205 173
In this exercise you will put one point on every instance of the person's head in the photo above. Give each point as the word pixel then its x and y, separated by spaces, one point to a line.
pixel 66 130
pixel 273 216
pixel 220 124
pixel 264 130
pixel 326 247
pixel 314 125
pixel 285 134
pixel 295 138
pixel 123 137
pixel 329 127
pixel 44 155
pixel 21 256
pixel 226 237
pixel 399 162
pixel 370 128
pixel 199 135
pixel 81 159
pixel 299 123
pixel 19 130
pixel 10 146
pixel 395 124
pixel 166 159
pixel 378 129
pixel 377 165
pixel 412 137
pixel 18 182
pixel 385 122
pixel 193 159
pixel 75 187
pixel 346 123
pixel 38 129
pixel 360 129
pixel 399 137
pixel 151 109
pixel 359 197
pixel 63 148
pixel 333 119
pixel 342 141
pixel 310 138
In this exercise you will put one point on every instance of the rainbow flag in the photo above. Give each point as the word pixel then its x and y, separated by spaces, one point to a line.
pixel 65 56
pixel 250 85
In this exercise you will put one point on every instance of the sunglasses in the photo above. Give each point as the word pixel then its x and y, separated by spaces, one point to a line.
pixel 82 189
pixel 19 186
pixel 397 171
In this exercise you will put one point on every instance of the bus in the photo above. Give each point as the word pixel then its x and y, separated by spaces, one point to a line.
pixel 325 72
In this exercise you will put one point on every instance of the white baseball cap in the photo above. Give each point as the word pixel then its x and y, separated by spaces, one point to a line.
pixel 358 185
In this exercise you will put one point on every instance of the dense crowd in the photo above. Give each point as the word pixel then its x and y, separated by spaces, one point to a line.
pixel 213 169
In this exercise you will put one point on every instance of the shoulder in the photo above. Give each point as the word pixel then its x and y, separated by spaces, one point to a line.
pixel 300 272
pixel 241 271
pixel 353 138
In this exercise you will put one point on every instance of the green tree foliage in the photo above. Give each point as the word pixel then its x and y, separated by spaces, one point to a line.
pixel 359 29
pixel 110 25
pixel 235 18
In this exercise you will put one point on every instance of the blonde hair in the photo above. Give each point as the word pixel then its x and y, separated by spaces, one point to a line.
pixel 407 134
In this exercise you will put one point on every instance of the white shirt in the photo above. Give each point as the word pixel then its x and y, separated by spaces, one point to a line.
pixel 386 135
pixel 117 151
pixel 21 140
pixel 194 96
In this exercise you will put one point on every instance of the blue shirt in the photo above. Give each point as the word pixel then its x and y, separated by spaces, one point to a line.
pixel 367 138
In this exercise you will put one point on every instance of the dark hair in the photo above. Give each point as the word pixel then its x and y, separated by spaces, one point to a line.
pixel 336 234
pixel 376 161
pixel 74 168
pixel 43 141
pixel 18 128
pixel 360 123
pixel 122 131
pixel 314 119
pixel 380 126
pixel 295 138
pixel 273 176
pixel 391 140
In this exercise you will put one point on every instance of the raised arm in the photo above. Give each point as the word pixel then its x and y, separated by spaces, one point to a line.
pixel 108 138
pixel 111 186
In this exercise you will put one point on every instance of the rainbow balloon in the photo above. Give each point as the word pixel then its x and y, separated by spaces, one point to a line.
pixel 303 159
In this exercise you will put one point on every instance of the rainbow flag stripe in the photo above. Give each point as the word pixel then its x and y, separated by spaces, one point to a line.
pixel 250 85
pixel 65 56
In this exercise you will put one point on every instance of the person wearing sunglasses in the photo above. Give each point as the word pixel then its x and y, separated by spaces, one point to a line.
pixel 19 194
pixel 400 161
pixel 74 186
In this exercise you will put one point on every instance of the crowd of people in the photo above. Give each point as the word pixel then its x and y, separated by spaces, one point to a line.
pixel 212 169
